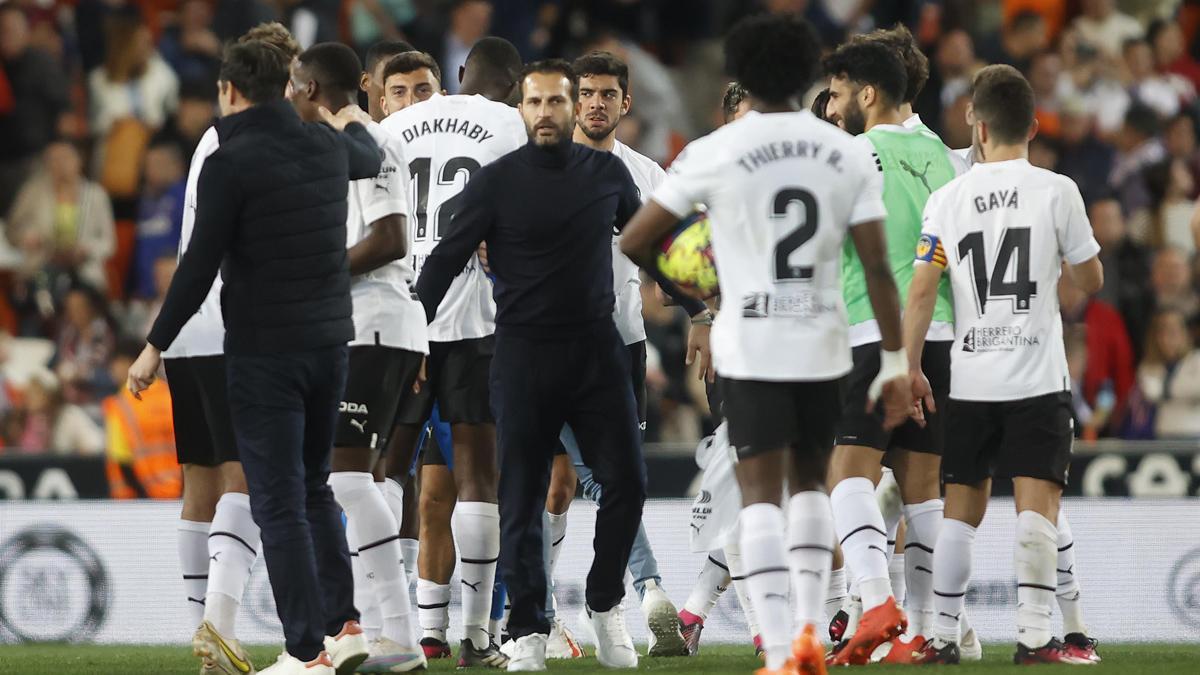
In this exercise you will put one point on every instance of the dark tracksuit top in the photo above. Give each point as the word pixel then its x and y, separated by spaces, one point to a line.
pixel 548 217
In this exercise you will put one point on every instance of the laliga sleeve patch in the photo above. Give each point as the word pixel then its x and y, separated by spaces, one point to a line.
pixel 929 250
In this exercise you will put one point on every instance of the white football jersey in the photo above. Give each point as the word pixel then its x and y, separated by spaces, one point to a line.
pixel 781 191
pixel 204 333
pixel 386 313
pixel 1003 230
pixel 627 282
pixel 444 140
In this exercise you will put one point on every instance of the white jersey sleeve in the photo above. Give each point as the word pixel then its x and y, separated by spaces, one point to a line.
pixel 627 282
pixel 1075 237
pixel 204 333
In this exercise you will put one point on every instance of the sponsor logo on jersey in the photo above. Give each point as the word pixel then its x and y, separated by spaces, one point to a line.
pixel 353 408
pixel 998 339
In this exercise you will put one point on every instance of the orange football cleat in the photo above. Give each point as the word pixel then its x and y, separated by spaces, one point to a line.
pixel 877 626
pixel 808 653
pixel 903 652
pixel 788 668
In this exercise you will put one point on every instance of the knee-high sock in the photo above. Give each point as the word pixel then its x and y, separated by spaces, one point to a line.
pixel 192 541
pixel 896 578
pixel 556 532
pixel 233 544
pixel 864 541
pixel 364 600
pixel 951 573
pixel 924 522
pixel 476 528
pixel 712 581
pixel 393 492
pixel 1068 581
pixel 433 608
pixel 737 574
pixel 1036 553
pixel 377 534
pixel 836 593
pixel 891 507
pixel 763 551
pixel 810 533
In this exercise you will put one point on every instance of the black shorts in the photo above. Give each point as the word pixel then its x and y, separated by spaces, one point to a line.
pixel 200 410
pixel 376 380
pixel 765 416
pixel 458 380
pixel 859 427
pixel 1030 438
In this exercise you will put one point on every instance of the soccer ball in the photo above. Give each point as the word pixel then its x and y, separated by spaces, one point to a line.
pixel 685 256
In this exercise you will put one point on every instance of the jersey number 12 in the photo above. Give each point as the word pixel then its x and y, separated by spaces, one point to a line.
pixel 420 170
pixel 1021 289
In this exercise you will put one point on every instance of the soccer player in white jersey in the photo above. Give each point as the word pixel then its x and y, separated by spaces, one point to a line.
pixel 1004 232
pixel 445 139
pixel 218 538
pixel 783 190
pixel 385 357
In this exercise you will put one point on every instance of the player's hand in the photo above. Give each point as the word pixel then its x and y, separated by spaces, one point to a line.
pixel 347 115
pixel 483 259
pixel 896 398
pixel 922 395
pixel 698 346
pixel 421 376
pixel 144 371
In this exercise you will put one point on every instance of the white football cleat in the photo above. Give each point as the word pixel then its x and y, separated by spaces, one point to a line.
pixel 562 643
pixel 528 654
pixel 663 621
pixel 389 656
pixel 614 647
pixel 287 664
pixel 348 649
pixel 969 648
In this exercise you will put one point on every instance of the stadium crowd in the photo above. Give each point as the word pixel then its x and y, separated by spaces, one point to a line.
pixel 103 101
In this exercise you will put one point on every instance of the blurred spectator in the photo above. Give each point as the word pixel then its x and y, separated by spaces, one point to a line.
pixel 450 39
pixel 1171 185
pixel 33 95
pixel 1171 283
pixel 85 343
pixel 1138 147
pixel 191 47
pixel 1075 344
pixel 45 423
pixel 196 113
pixel 1126 268
pixel 140 313
pixel 374 20
pixel 134 81
pixel 1109 372
pixel 232 18
pixel 1087 81
pixel 63 220
pixel 1022 37
pixel 1054 12
pixel 1083 157
pixel 90 22
pixel 1165 92
pixel 1045 73
pixel 953 63
pixel 141 437
pixel 1043 153
pixel 1105 28
pixel 1170 52
pixel 160 215
pixel 1169 377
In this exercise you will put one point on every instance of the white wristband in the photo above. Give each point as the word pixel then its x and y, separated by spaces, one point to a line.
pixel 891 366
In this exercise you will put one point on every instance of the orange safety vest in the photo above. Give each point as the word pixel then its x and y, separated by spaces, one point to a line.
pixel 148 431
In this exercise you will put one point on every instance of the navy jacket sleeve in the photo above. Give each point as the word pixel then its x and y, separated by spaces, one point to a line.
pixel 216 218
pixel 364 153
pixel 468 228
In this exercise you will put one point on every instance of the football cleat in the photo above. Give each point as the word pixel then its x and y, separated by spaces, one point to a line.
pixel 219 654
pixel 435 648
pixel 387 656
pixel 1082 646
pixel 902 652
pixel 488 657
pixel 614 647
pixel 528 653
pixel 561 644
pixel 287 664
pixel 877 626
pixel 348 649
pixel 837 627
pixel 969 649
pixel 690 626
pixel 937 651
pixel 1051 652
pixel 663 621
pixel 758 648
pixel 788 668
pixel 808 656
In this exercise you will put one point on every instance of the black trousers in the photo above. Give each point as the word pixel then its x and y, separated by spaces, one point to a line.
pixel 537 385
pixel 284 409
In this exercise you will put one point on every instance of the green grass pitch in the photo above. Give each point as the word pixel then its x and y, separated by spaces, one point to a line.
pixel 62 659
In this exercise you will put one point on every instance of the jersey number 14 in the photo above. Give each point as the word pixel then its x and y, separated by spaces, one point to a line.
pixel 1000 284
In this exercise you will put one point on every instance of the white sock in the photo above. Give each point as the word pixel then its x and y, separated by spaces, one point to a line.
pixel 924 522
pixel 897 580
pixel 864 541
pixel 378 535
pixel 712 581
pixel 763 530
pixel 1035 557
pixel 410 549
pixel 951 573
pixel 887 495
pixel 810 554
pixel 233 544
pixel 192 541
pixel 836 593
pixel 364 600
pixel 433 608
pixel 557 533
pixel 476 528
pixel 1068 583
pixel 737 575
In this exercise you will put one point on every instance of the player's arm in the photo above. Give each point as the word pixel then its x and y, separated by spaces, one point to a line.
pixel 384 208
pixel 1080 250
pixel 469 227
pixel 1088 275
pixel 363 153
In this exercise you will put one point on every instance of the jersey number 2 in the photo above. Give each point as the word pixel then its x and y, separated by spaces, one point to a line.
pixel 1021 289
pixel 796 237
pixel 419 168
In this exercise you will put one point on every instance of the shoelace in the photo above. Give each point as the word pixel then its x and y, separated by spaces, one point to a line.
pixel 615 627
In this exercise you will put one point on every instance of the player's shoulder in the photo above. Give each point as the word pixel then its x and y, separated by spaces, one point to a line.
pixel 635 160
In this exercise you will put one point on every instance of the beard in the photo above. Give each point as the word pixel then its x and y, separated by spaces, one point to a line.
pixel 853 120
pixel 598 134
pixel 560 133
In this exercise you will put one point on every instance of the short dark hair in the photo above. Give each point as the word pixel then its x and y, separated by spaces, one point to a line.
pixel 1132 42
pixel 1003 99
pixel 408 62
pixel 257 69
pixel 1143 119
pixel 275 34
pixel 916 64
pixel 559 66
pixel 1024 20
pixel 333 66
pixel 870 63
pixel 735 93
pixel 385 49
pixel 494 59
pixel 820 103
pixel 1155 29
pixel 603 63
pixel 773 56
pixel 197 89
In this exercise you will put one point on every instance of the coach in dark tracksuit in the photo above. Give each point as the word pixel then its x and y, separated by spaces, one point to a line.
pixel 547 212
pixel 274 213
